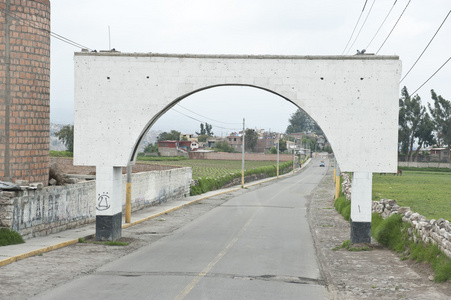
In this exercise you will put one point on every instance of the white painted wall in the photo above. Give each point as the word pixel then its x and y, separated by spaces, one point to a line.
pixel 354 99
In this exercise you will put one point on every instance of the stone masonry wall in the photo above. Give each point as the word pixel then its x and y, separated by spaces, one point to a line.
pixel 36 212
pixel 429 231
pixel 24 90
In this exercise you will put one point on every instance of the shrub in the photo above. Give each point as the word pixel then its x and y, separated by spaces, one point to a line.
pixel 391 233
pixel 10 237
pixel 206 184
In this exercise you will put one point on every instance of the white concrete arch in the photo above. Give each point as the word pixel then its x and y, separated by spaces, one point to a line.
pixel 354 99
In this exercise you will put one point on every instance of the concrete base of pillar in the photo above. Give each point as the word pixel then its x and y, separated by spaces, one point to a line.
pixel 360 232
pixel 109 228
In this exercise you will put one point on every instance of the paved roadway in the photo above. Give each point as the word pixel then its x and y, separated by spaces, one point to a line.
pixel 257 245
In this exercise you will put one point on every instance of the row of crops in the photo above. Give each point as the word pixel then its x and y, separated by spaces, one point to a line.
pixel 214 174
pixel 214 168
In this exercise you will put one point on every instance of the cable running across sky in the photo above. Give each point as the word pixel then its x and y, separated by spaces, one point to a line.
pixel 207 117
pixel 382 24
pixel 426 47
pixel 393 27
pixel 358 20
pixel 53 34
pixel 201 120
pixel 449 58
pixel 363 24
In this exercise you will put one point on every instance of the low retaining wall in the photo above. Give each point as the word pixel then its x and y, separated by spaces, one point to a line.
pixel 238 156
pixel 424 164
pixel 55 208
pixel 429 231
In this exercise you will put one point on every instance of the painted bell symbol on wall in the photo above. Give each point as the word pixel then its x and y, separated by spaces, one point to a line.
pixel 102 202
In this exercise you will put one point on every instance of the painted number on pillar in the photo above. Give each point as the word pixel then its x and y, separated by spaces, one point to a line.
pixel 103 202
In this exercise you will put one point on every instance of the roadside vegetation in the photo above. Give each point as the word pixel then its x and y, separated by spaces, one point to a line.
pixel 425 191
pixel 10 237
pixel 210 183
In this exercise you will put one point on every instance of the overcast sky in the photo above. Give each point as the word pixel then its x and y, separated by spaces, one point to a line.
pixel 282 27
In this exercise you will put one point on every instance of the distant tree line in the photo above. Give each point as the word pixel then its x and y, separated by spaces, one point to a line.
pixel 422 127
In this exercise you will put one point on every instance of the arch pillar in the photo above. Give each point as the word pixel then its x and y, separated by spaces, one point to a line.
pixel 109 203
pixel 361 193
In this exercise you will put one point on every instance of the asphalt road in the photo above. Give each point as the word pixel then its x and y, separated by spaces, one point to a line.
pixel 257 245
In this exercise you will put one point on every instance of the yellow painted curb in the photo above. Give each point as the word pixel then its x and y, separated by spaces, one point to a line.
pixel 36 252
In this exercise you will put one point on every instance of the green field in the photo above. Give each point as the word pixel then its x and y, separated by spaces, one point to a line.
pixel 425 192
pixel 213 168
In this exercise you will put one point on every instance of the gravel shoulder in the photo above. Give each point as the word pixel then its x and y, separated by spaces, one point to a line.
pixel 375 274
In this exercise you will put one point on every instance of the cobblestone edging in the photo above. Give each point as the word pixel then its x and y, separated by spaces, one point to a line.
pixel 429 231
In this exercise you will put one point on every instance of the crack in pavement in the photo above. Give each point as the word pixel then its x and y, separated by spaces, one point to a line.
pixel 273 278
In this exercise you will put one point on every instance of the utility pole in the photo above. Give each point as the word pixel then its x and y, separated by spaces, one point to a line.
pixel 242 157
pixel 128 195
pixel 278 142
pixel 294 150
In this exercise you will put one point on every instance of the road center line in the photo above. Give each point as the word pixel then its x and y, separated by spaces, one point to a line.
pixel 218 257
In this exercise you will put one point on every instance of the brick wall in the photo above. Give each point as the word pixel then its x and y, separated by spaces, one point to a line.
pixel 24 90
pixel 237 156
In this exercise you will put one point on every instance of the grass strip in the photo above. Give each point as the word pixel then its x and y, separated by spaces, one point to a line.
pixel 10 237
pixel 206 184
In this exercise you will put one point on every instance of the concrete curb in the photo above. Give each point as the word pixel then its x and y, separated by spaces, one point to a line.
pixel 12 259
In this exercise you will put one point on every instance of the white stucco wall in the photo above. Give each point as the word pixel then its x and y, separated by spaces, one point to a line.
pixel 354 99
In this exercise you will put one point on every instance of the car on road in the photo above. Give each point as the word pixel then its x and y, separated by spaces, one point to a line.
pixel 322 164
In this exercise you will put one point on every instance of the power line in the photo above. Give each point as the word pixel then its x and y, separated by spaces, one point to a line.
pixel 200 120
pixel 381 24
pixel 53 34
pixel 393 27
pixel 363 24
pixel 358 20
pixel 426 47
pixel 207 117
pixel 433 75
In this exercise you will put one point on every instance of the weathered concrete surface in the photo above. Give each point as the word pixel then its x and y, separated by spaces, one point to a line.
pixel 56 208
pixel 354 99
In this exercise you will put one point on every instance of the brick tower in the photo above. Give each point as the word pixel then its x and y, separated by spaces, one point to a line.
pixel 24 90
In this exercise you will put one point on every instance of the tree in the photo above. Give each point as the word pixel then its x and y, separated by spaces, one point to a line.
pixel 282 145
pixel 174 135
pixel 301 122
pixel 308 142
pixel 205 129
pixel 425 134
pixel 66 134
pixel 441 115
pixel 202 138
pixel 411 113
pixel 223 146
pixel 250 140
pixel 151 148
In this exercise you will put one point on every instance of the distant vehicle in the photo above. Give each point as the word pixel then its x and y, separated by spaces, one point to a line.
pixel 322 164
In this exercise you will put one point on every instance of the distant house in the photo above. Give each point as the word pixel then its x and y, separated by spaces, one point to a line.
pixel 188 136
pixel 235 140
pixel 176 148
